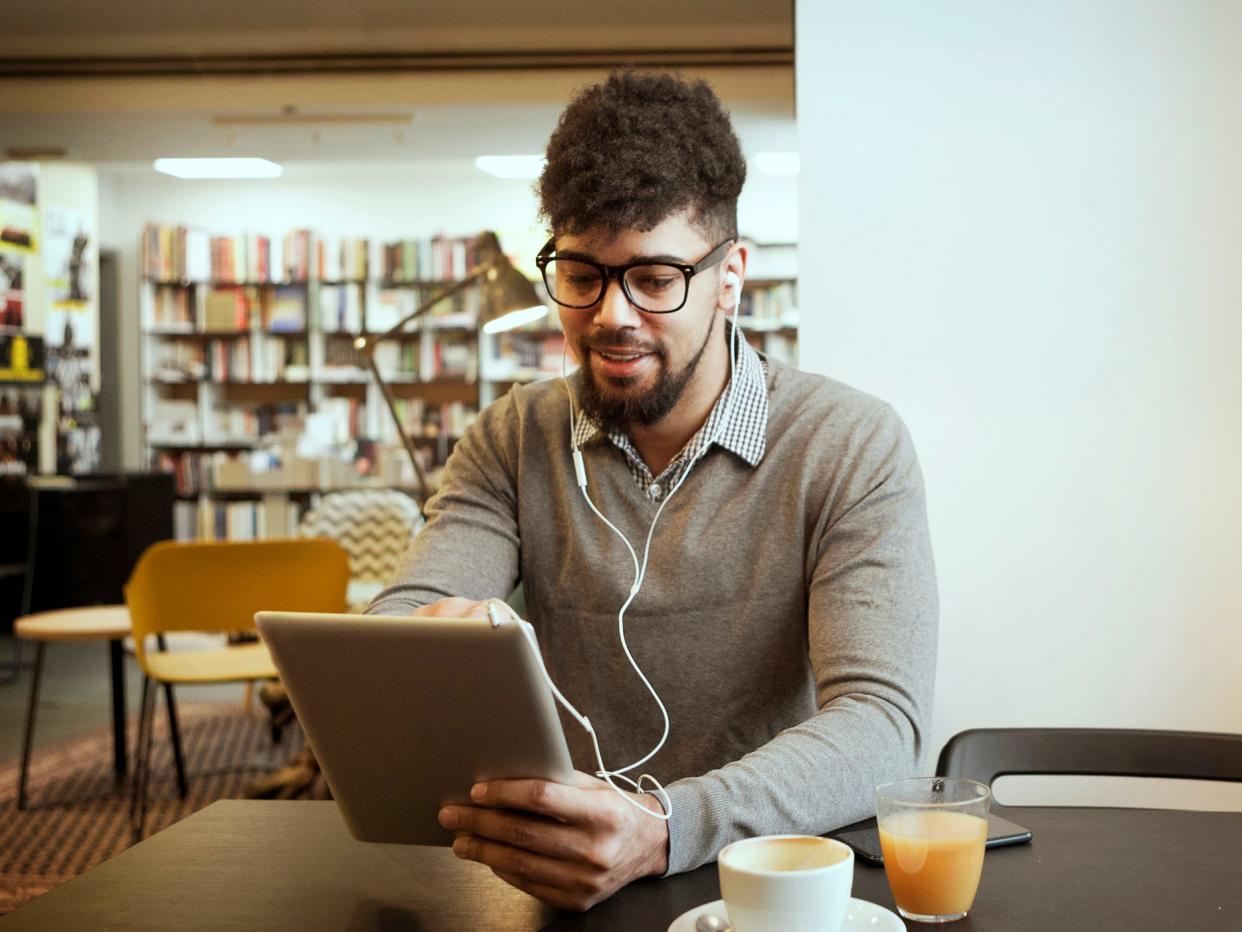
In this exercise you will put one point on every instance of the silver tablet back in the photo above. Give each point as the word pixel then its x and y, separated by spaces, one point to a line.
pixel 405 714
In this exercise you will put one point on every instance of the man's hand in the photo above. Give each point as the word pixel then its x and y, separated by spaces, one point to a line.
pixel 571 846
pixel 451 607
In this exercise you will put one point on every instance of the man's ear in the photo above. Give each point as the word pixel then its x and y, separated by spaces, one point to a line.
pixel 734 276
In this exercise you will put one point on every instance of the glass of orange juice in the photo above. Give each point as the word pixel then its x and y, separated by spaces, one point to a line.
pixel 933 831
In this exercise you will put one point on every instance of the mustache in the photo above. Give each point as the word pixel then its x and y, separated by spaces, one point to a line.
pixel 614 340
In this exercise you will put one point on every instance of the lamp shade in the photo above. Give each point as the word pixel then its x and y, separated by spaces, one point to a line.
pixel 509 298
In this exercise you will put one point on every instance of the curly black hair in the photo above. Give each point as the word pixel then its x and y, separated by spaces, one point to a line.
pixel 638 148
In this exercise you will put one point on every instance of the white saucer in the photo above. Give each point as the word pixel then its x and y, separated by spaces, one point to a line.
pixel 860 917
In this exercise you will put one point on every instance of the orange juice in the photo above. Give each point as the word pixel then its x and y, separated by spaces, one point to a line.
pixel 933 860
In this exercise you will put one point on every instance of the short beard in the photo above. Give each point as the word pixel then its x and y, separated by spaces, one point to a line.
pixel 616 414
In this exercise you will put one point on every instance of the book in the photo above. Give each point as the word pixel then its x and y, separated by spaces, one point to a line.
pixel 297 256
pixel 284 309
pixel 340 308
pixel 229 308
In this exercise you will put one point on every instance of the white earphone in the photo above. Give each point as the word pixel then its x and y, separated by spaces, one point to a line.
pixel 640 572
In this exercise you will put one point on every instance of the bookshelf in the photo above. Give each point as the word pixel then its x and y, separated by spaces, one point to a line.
pixel 769 313
pixel 257 400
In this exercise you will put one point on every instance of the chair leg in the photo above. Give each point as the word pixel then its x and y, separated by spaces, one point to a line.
pixel 116 671
pixel 145 727
pixel 28 736
pixel 138 748
pixel 174 730
pixel 142 730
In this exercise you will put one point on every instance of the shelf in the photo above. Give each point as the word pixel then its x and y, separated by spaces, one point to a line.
pixel 300 333
pixel 185 447
pixel 289 282
pixel 400 335
pixel 196 334
pixel 440 391
pixel 260 491
pixel 226 284
pixel 280 383
pixel 175 383
pixel 246 494
pixel 768 326
pixel 420 283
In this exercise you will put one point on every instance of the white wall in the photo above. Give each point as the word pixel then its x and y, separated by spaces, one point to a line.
pixel 1028 219
pixel 384 201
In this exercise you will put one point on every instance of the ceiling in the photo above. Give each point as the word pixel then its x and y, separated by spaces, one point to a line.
pixel 51 28
pixel 361 80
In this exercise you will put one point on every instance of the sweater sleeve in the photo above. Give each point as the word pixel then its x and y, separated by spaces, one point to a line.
pixel 469 545
pixel 871 635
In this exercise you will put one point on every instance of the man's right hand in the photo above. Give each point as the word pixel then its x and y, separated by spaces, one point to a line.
pixel 451 607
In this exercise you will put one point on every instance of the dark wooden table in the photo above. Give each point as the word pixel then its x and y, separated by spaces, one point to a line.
pixel 292 865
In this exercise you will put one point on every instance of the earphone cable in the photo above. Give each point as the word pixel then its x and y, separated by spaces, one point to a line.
pixel 640 573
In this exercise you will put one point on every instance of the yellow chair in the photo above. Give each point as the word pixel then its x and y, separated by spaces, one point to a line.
pixel 218 587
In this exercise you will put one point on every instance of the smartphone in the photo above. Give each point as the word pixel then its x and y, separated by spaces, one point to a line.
pixel 864 837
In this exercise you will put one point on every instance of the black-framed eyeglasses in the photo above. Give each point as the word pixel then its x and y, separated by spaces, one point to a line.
pixel 655 287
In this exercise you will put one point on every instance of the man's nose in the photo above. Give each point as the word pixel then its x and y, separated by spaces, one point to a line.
pixel 615 311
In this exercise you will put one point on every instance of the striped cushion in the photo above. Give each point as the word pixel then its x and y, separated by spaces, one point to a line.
pixel 374 526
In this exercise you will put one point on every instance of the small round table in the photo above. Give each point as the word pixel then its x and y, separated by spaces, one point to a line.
pixel 87 623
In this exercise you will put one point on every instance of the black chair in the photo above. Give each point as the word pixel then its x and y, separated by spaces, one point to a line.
pixel 984 754
pixel 84 536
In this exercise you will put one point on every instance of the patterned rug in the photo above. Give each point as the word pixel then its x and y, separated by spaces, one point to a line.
pixel 77 816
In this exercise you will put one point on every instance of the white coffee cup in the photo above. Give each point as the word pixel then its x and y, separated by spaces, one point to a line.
pixel 786 883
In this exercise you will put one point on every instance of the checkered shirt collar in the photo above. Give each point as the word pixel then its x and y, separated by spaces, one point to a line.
pixel 745 433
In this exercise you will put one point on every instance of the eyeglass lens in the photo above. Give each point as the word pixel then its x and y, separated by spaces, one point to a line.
pixel 652 287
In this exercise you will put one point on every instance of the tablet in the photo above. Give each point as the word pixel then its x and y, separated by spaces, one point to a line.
pixel 406 714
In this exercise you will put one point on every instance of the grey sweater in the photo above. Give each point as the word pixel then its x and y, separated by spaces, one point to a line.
pixel 788 619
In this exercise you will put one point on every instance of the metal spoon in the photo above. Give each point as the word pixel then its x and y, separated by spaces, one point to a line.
pixel 710 923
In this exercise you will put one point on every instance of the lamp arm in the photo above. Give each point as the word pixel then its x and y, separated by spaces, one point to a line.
pixel 368 345
pixel 473 276
pixel 391 401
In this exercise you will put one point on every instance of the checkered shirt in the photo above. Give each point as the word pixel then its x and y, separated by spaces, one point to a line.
pixel 744 434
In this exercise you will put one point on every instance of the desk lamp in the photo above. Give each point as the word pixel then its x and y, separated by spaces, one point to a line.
pixel 509 300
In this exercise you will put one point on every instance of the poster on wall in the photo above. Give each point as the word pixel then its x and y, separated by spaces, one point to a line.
pixel 19 212
pixel 21 358
pixel 69 359
pixel 69 325
pixel 69 337
pixel 67 257
pixel 12 289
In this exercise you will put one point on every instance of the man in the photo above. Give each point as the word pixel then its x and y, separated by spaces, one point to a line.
pixel 787 618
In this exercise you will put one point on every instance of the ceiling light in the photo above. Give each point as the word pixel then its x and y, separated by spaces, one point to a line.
pixel 510 166
pixel 218 168
pixel 777 163
pixel 291 117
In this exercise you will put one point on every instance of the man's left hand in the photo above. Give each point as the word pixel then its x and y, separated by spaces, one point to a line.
pixel 571 846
